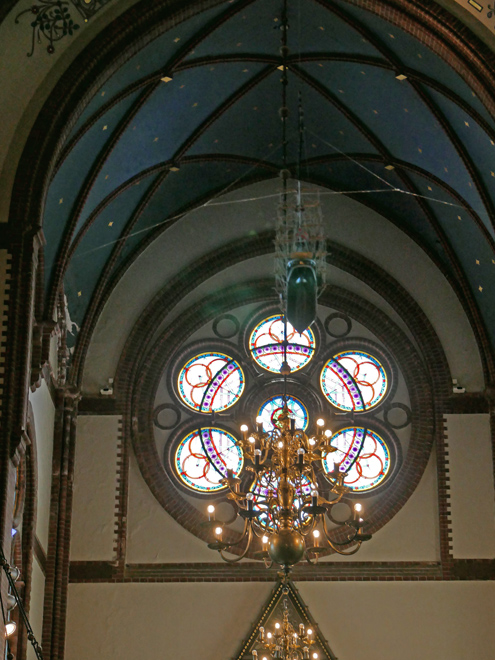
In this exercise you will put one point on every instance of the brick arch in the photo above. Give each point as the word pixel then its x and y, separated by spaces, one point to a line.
pixel 417 373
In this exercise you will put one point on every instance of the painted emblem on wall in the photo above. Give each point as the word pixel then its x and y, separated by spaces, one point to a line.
pixel 52 20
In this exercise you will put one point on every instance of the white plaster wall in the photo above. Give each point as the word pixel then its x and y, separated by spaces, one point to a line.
pixel 44 418
pixel 365 621
pixel 94 488
pixel 171 621
pixel 36 606
pixel 471 486
pixel 405 620
pixel 413 533
pixel 153 535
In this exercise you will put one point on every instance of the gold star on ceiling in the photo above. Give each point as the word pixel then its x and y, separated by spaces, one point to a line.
pixel 480 288
pixel 176 40
pixel 477 262
pixel 110 224
pixel 61 200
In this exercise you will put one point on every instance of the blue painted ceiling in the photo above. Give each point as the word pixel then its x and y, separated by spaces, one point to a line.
pixel 146 150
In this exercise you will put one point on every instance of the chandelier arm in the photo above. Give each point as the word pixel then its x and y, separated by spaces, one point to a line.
pixel 335 544
pixel 313 562
pixel 248 545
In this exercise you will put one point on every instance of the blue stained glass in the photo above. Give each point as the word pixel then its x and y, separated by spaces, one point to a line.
pixel 365 459
pixel 203 458
pixel 273 407
pixel 267 345
pixel 210 382
pixel 354 380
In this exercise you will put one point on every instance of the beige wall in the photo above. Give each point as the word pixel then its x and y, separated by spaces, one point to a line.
pixel 153 535
pixel 471 486
pixel 405 621
pixel 95 481
pixel 44 417
pixel 36 607
pixel 367 621
pixel 168 621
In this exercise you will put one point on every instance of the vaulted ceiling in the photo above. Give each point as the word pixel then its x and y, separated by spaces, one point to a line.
pixel 195 113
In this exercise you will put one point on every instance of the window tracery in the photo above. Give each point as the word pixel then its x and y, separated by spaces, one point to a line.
pixel 224 383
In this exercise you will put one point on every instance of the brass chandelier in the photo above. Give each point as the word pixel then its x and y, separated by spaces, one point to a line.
pixel 284 642
pixel 287 503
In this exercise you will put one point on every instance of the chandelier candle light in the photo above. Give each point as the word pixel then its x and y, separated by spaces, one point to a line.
pixel 284 507
pixel 285 642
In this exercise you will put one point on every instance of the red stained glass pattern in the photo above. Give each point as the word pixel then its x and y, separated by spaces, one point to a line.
pixel 267 345
pixel 210 382
pixel 203 458
pixel 363 455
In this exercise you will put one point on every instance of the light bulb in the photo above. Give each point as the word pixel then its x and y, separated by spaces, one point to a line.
pixel 280 444
pixel 211 508
pixel 320 422
pixel 277 625
pixel 328 433
pixel 10 628
pixel 269 635
pixel 251 439
pixel 265 540
pixel 315 656
pixel 314 493
pixel 312 441
pixel 244 428
pixel 249 496
pixel 357 507
pixel 310 632
pixel 316 533
pixel 259 419
pixel 218 531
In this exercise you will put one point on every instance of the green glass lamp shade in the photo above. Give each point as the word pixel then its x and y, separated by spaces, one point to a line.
pixel 302 288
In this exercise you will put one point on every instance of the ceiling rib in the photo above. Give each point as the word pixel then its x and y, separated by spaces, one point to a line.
pixel 78 206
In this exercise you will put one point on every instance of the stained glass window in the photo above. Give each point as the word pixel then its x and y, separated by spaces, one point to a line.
pixel 266 488
pixel 273 407
pixel 267 345
pixel 210 382
pixel 365 458
pixel 354 380
pixel 203 458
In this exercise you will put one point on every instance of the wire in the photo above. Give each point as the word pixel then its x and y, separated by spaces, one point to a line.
pixel 30 634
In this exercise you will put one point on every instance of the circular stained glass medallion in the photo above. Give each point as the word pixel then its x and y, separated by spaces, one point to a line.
pixel 210 382
pixel 361 453
pixel 203 458
pixel 354 380
pixel 266 345
pixel 273 407
pixel 267 487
